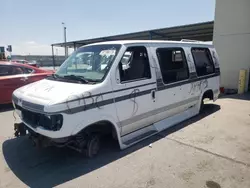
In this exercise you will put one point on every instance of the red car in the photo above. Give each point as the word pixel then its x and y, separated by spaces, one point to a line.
pixel 33 63
pixel 14 75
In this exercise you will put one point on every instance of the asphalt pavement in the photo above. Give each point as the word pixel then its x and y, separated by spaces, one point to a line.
pixel 210 150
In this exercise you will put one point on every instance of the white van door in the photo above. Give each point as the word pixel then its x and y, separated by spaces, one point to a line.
pixel 171 86
pixel 134 90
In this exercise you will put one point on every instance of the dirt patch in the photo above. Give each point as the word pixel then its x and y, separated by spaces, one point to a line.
pixel 203 165
pixel 187 175
pixel 151 182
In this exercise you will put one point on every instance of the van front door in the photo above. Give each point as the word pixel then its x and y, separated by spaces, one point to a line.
pixel 134 90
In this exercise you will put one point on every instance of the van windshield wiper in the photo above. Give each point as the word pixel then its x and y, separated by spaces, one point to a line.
pixel 54 76
pixel 75 77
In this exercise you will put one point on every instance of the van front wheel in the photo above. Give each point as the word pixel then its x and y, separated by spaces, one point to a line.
pixel 93 146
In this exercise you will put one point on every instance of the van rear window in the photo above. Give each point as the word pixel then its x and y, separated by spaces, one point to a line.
pixel 203 61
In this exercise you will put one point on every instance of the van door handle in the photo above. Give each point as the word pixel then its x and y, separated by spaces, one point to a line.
pixel 153 94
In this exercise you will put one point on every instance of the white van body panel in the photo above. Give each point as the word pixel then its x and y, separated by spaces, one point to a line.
pixel 49 92
pixel 129 106
pixel 66 101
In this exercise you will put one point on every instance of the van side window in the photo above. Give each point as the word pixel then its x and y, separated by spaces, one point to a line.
pixel 134 64
pixel 173 64
pixel 203 61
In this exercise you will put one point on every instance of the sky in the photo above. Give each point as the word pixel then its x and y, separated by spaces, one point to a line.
pixel 31 26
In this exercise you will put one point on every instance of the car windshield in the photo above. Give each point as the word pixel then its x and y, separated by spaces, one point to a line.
pixel 91 62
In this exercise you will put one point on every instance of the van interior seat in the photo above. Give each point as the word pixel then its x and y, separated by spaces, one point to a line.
pixel 137 67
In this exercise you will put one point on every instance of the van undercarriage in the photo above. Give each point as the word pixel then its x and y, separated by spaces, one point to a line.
pixel 87 143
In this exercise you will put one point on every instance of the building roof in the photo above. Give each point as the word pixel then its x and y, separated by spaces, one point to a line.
pixel 199 31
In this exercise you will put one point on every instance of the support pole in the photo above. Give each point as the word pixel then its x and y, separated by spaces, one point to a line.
pixel 65 41
pixel 242 81
pixel 150 35
pixel 74 46
pixel 53 56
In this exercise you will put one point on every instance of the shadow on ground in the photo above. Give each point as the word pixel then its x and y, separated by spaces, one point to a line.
pixel 52 166
pixel 6 107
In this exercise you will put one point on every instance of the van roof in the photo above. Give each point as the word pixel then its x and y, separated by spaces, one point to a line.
pixel 207 44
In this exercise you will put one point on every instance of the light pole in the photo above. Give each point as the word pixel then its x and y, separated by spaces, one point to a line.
pixel 65 39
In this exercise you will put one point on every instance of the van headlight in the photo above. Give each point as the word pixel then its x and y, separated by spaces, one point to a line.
pixel 54 122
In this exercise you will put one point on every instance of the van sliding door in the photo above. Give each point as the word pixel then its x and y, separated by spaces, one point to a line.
pixel 171 87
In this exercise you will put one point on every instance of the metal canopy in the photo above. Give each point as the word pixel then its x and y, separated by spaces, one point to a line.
pixel 199 31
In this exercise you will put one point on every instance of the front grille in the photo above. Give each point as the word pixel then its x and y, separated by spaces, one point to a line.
pixel 35 119
pixel 30 117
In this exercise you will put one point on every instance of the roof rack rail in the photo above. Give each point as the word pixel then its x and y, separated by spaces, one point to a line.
pixel 188 40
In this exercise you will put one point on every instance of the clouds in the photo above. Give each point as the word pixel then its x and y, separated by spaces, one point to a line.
pixel 31 42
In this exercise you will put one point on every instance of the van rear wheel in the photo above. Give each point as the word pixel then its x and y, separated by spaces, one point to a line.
pixel 202 106
pixel 93 146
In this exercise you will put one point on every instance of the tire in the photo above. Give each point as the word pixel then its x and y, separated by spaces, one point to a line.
pixel 202 106
pixel 93 146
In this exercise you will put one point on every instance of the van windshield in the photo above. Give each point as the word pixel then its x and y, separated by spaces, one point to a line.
pixel 91 62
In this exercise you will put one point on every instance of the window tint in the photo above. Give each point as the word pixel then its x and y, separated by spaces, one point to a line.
pixel 4 70
pixel 16 70
pixel 203 61
pixel 10 70
pixel 134 64
pixel 27 70
pixel 173 64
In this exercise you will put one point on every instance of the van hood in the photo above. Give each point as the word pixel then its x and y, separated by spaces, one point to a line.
pixel 48 92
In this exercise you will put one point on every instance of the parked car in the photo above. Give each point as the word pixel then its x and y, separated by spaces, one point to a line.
pixel 31 63
pixel 14 75
pixel 146 87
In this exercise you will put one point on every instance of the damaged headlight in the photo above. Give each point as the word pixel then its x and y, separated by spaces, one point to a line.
pixel 53 122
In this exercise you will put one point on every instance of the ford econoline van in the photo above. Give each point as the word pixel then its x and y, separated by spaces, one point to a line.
pixel 129 90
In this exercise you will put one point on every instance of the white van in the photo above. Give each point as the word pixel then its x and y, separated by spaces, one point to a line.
pixel 144 88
